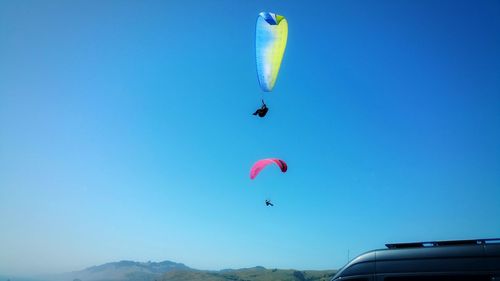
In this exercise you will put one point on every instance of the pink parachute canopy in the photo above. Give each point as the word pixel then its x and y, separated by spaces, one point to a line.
pixel 261 164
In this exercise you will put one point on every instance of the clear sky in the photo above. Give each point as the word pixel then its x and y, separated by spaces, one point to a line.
pixel 126 131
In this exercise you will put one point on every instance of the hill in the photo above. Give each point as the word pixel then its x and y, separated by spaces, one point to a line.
pixel 249 274
pixel 171 271
pixel 121 271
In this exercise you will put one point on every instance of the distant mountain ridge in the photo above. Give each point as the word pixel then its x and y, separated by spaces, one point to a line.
pixel 122 270
pixel 172 271
pixel 152 267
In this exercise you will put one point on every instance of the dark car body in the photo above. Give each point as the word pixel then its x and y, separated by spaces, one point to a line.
pixel 464 260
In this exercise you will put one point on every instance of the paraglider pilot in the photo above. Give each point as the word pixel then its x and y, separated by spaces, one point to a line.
pixel 269 203
pixel 262 111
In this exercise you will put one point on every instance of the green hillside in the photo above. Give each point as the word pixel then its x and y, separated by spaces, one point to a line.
pixel 250 274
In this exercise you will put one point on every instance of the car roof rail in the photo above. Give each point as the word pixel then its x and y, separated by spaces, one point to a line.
pixel 443 243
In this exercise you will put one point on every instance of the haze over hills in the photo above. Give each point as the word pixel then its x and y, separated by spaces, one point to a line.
pixel 171 271
pixel 122 270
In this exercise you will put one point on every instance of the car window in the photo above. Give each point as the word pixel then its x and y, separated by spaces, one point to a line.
pixel 362 268
pixel 356 279
pixel 432 265
pixel 468 277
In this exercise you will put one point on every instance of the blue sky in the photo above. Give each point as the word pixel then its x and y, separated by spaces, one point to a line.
pixel 126 131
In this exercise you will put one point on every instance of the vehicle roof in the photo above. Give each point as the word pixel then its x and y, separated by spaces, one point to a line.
pixel 430 252
pixel 418 251
pixel 438 252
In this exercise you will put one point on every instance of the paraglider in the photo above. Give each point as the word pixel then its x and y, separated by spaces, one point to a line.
pixel 271 34
pixel 261 164
pixel 262 111
pixel 270 43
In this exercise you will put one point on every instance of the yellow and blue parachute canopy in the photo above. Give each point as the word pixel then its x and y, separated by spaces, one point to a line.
pixel 270 43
